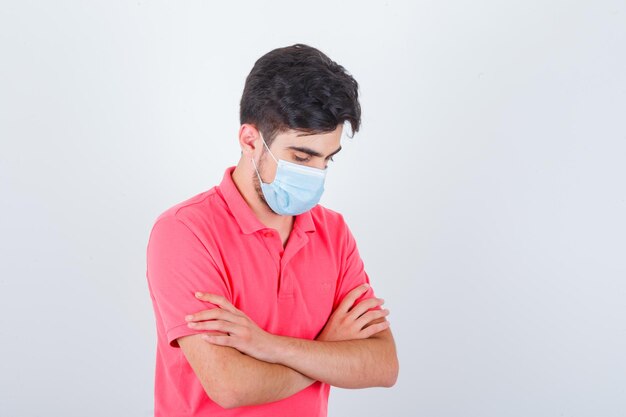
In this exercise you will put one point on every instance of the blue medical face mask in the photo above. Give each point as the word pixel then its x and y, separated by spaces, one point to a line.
pixel 295 189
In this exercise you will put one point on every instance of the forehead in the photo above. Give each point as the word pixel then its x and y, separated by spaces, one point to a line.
pixel 325 140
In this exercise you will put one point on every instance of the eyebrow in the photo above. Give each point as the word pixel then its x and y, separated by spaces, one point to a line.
pixel 310 151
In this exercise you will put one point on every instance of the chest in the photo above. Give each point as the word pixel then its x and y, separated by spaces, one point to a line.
pixel 286 284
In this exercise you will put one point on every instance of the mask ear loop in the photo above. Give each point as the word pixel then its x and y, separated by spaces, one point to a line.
pixel 268 149
pixel 255 167
pixel 257 171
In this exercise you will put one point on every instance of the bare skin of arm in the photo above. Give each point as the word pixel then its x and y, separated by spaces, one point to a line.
pixel 370 362
pixel 233 378
pixel 348 362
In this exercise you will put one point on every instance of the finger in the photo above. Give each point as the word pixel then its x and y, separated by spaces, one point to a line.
pixel 365 305
pixel 351 297
pixel 218 340
pixel 214 313
pixel 217 299
pixel 375 321
pixel 370 316
pixel 219 325
pixel 374 328
pixel 215 332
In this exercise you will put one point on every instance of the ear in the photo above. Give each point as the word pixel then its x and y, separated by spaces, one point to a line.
pixel 249 139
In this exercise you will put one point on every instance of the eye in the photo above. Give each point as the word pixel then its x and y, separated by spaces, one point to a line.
pixel 301 159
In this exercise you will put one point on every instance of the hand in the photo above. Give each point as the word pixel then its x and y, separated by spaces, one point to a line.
pixel 356 323
pixel 238 330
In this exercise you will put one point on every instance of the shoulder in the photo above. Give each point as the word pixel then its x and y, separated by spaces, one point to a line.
pixel 331 225
pixel 327 218
pixel 191 211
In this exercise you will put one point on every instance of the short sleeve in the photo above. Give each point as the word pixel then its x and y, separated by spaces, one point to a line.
pixel 352 271
pixel 178 265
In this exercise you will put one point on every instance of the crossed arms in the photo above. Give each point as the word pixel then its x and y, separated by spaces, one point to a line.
pixel 240 364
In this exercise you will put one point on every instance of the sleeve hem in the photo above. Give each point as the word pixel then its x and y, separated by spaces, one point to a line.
pixel 180 331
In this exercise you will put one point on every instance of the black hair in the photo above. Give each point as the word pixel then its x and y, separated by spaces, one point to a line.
pixel 299 87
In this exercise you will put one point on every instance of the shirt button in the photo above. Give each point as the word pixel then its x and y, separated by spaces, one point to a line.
pixel 268 234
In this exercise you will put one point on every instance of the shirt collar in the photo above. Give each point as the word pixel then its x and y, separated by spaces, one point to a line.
pixel 245 217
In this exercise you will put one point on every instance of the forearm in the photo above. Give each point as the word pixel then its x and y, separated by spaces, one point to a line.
pixel 359 363
pixel 233 379
pixel 253 381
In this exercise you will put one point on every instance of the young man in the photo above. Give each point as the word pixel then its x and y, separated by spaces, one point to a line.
pixel 259 293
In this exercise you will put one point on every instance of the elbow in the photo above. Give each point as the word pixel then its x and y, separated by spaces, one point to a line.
pixel 225 402
pixel 392 374
pixel 226 399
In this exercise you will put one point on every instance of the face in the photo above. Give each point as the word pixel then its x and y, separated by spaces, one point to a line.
pixel 316 150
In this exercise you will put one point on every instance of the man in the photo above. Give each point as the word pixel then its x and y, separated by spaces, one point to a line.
pixel 259 293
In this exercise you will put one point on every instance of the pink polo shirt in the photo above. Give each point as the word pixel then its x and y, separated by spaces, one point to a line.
pixel 213 242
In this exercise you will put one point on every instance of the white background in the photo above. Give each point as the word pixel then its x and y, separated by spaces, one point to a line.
pixel 486 191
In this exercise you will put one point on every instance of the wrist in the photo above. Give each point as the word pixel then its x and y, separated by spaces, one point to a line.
pixel 272 349
pixel 281 348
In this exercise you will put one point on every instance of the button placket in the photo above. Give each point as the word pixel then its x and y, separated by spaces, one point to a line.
pixel 270 246
pixel 297 240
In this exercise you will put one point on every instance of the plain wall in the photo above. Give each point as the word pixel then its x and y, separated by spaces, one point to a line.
pixel 486 191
